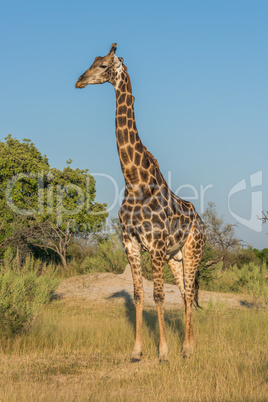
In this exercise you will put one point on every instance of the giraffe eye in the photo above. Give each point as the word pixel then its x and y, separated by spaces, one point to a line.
pixel 103 66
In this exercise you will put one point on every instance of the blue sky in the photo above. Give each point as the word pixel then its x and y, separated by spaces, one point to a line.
pixel 199 77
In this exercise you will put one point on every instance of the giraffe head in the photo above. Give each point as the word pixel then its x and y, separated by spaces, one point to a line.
pixel 104 69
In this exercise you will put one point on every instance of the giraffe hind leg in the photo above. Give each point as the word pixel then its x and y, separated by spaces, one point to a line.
pixel 177 271
pixel 192 255
pixel 185 273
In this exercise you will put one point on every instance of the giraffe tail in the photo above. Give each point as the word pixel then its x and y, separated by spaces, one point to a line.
pixel 196 282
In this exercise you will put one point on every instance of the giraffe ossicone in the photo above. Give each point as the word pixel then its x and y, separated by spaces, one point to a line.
pixel 152 217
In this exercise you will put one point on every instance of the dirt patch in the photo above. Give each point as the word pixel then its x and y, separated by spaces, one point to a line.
pixel 101 287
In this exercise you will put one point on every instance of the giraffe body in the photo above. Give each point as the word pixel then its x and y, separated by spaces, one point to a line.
pixel 152 217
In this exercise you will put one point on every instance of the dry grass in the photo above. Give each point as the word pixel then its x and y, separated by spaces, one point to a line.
pixel 79 351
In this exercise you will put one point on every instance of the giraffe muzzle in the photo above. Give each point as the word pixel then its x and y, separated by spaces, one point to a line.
pixel 80 83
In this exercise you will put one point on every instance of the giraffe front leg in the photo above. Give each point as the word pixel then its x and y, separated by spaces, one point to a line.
pixel 137 351
pixel 133 254
pixel 159 297
pixel 163 347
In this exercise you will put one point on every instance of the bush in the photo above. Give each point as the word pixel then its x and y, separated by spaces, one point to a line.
pixel 22 292
pixel 15 309
pixel 110 257
pixel 207 267
pixel 251 279
pixel 258 284
pixel 21 296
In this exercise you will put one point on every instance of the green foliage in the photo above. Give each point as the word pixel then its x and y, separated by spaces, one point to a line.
pixel 15 310
pixel 109 257
pixel 41 206
pixel 21 161
pixel 12 261
pixel 80 248
pixel 71 212
pixel 261 254
pixel 258 284
pixel 21 167
pixel 206 267
pixel 251 279
pixel 71 196
pixel 22 293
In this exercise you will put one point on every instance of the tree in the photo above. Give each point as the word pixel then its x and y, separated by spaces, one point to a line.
pixel 22 169
pixel 264 217
pixel 261 254
pixel 4 240
pixel 43 207
pixel 70 211
pixel 23 172
pixel 220 236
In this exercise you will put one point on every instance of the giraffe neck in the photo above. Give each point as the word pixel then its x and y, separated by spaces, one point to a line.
pixel 130 148
pixel 139 167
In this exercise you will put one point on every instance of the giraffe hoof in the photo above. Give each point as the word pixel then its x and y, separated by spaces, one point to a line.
pixel 186 352
pixel 185 355
pixel 163 360
pixel 135 360
pixel 163 353
pixel 136 357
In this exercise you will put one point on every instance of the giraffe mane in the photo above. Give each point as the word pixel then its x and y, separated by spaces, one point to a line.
pixel 128 78
pixel 144 147
pixel 151 156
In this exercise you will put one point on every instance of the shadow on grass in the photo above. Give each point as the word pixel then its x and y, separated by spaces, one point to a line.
pixel 246 303
pixel 172 318
pixel 252 305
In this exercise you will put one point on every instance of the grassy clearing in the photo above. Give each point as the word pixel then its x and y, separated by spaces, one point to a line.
pixel 80 351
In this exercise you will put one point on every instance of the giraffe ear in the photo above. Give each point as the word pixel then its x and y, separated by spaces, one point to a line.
pixel 117 62
pixel 121 60
pixel 113 48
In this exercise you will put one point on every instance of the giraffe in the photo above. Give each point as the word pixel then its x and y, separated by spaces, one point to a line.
pixel 152 217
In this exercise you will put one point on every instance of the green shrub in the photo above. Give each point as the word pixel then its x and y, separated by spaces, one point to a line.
pixel 22 292
pixel 15 310
pixel 206 268
pixel 251 279
pixel 12 262
pixel 110 257
pixel 258 284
